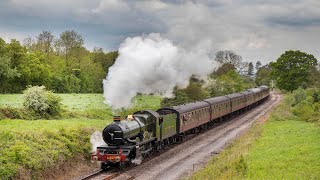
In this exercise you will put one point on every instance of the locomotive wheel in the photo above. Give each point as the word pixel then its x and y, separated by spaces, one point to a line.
pixel 121 166
pixel 104 166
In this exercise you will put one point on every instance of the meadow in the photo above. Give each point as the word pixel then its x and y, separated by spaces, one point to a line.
pixel 284 147
pixel 30 147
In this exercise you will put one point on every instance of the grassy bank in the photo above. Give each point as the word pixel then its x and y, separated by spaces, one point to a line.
pixel 285 147
pixel 89 106
pixel 30 147
pixel 78 102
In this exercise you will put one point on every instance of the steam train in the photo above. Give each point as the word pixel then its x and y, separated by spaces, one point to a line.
pixel 147 131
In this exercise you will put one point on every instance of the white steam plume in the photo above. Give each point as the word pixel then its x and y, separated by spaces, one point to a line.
pixel 152 64
pixel 96 140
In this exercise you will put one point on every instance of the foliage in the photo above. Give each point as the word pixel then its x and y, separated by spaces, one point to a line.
pixel 69 42
pixel 314 76
pixel 231 57
pixel 193 92
pixel 106 60
pixel 42 102
pixel 61 64
pixel 263 76
pixel 5 70
pixel 291 70
pixel 228 83
pixel 223 69
pixel 24 147
pixel 305 104
pixel 225 80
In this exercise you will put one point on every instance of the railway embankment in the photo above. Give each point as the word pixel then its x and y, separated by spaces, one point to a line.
pixel 282 145
pixel 54 148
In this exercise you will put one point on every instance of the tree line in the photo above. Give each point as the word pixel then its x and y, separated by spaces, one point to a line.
pixel 292 70
pixel 62 64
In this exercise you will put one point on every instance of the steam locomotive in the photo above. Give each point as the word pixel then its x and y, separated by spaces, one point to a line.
pixel 147 131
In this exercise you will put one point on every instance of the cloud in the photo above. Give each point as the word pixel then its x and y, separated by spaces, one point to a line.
pixel 106 6
pixel 255 29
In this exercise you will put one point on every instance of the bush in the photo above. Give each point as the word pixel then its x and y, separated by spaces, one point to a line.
pixel 42 102
pixel 299 95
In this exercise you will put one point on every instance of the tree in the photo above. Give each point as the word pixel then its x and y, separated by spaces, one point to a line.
pixel 105 59
pixel 70 41
pixel 228 83
pixel 34 70
pixel 6 73
pixel 292 68
pixel 193 92
pixel 2 47
pixel 250 69
pixel 15 52
pixel 263 76
pixel 225 68
pixel 228 56
pixel 232 58
pixel 45 42
pixel 258 65
pixel 314 77
pixel 5 70
pixel 30 44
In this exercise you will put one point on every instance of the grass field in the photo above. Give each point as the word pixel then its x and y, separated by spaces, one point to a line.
pixel 286 150
pixel 28 147
pixel 78 102
pixel 285 147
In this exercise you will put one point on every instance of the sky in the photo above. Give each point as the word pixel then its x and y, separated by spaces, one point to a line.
pixel 255 29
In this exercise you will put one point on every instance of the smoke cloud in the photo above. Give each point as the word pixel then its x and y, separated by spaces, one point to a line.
pixel 152 64
pixel 96 140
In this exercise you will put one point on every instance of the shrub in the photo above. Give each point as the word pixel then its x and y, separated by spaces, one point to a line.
pixel 316 96
pixel 42 102
pixel 299 95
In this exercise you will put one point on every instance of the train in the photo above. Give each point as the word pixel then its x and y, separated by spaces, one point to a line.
pixel 144 132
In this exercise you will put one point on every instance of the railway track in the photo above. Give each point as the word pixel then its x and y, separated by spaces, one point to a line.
pixel 104 175
pixel 161 166
pixel 100 175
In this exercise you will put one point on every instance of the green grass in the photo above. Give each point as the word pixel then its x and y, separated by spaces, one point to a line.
pixel 73 102
pixel 51 125
pixel 11 100
pixel 285 147
pixel 79 102
pixel 286 150
pixel 28 147
pixel 89 106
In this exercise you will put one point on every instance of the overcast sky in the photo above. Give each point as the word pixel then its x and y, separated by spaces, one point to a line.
pixel 255 29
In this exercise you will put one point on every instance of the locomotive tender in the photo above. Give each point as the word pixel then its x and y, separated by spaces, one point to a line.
pixel 147 131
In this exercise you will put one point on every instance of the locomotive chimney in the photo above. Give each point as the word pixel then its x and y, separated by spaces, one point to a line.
pixel 116 119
